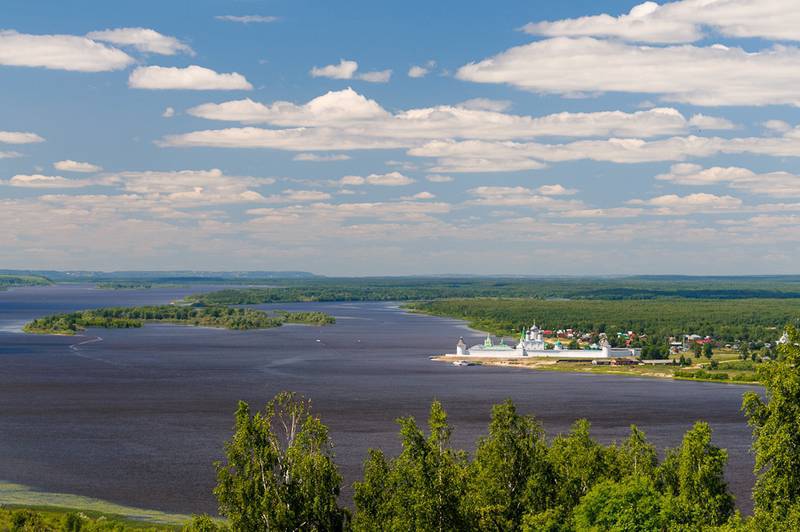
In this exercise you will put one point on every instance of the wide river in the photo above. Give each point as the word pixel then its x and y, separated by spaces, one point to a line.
pixel 139 416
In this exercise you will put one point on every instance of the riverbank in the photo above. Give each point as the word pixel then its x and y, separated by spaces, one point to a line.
pixel 661 371
pixel 56 507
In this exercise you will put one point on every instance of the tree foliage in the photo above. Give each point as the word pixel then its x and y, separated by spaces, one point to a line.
pixel 776 435
pixel 279 473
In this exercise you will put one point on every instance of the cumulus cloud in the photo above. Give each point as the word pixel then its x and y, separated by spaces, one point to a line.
pixel 212 181
pixel 378 76
pixel 502 196
pixel 9 154
pixel 778 184
pixel 391 179
pixel 674 205
pixel 192 77
pixel 701 121
pixel 169 112
pixel 60 52
pixel 46 181
pixel 19 137
pixel 436 178
pixel 352 121
pixel 298 196
pixel 778 126
pixel 418 71
pixel 471 155
pixel 424 195
pixel 246 19
pixel 329 109
pixel 295 139
pixel 143 39
pixel 710 76
pixel 75 166
pixel 556 190
pixel 344 70
pixel 486 104
pixel 684 21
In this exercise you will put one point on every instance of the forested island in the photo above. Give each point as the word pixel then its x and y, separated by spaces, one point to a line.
pixel 208 316
pixel 10 281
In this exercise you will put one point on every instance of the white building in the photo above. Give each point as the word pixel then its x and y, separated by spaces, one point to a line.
pixel 532 344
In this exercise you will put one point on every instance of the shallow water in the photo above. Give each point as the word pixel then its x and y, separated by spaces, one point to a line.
pixel 139 416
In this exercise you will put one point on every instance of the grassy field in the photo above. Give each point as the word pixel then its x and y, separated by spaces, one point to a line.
pixel 56 505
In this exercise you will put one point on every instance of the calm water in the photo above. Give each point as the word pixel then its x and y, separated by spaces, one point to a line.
pixel 138 416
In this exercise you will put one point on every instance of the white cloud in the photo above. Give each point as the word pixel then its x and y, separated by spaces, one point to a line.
pixel 344 70
pixel 701 121
pixel 501 196
pixel 556 190
pixel 330 109
pixel 684 21
pixel 710 76
pixel 673 204
pixel 143 39
pixel 190 78
pixel 9 154
pixel 19 137
pixel 317 158
pixel 424 195
pixel 391 179
pixel 169 112
pixel 418 71
pixel 296 139
pixel 350 119
pixel 45 181
pixel 778 126
pixel 436 178
pixel 463 165
pixel 486 104
pixel 378 76
pixel 75 166
pixel 777 184
pixel 60 52
pixel 298 196
pixel 246 19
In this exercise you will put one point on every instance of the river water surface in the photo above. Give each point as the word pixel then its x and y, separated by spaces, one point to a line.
pixel 138 416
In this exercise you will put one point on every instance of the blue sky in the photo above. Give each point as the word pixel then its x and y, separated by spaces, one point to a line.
pixel 404 138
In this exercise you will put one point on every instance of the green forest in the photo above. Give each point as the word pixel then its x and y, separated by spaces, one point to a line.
pixel 429 288
pixel 213 316
pixel 750 320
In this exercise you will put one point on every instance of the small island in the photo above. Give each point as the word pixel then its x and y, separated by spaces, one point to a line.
pixel 234 318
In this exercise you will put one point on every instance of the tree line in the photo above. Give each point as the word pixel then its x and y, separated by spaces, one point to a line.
pixel 742 320
pixel 429 288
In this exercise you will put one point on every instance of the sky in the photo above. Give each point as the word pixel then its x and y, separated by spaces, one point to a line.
pixel 396 138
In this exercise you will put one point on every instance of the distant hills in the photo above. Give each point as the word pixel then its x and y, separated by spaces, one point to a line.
pixel 158 276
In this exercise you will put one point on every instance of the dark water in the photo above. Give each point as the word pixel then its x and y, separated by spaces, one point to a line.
pixel 139 416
